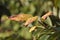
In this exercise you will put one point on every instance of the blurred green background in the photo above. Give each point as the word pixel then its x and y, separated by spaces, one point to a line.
pixel 13 30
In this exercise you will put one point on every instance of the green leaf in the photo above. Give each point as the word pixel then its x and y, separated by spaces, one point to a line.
pixel 55 11
pixel 48 21
pixel 24 32
pixel 54 36
pixel 5 34
pixel 24 2
pixel 31 9
pixel 44 37
pixel 5 21
pixel 16 27
pixel 58 3
pixel 24 9
pixel 41 27
pixel 59 13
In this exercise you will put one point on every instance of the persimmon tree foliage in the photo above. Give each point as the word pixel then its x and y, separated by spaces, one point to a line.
pixel 30 20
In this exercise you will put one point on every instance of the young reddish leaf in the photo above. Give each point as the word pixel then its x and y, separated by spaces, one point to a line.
pixel 46 15
pixel 20 17
pixel 30 20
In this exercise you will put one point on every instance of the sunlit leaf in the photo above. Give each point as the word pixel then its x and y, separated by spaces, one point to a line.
pixel 59 13
pixel 32 28
pixel 55 11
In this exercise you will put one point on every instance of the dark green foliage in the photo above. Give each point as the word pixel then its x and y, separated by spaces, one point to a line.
pixel 13 30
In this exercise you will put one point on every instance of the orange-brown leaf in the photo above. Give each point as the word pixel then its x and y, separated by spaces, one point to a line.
pixel 30 20
pixel 46 15
pixel 21 17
